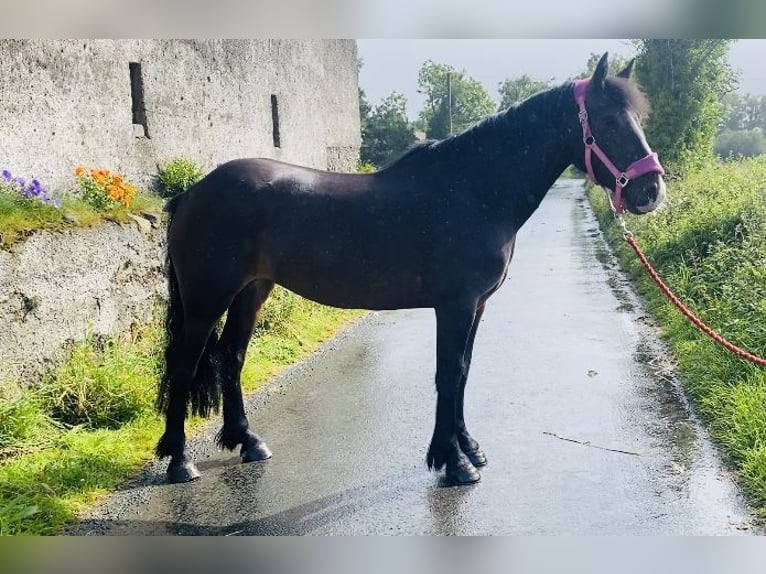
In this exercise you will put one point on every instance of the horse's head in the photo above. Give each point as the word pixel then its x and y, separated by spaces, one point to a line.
pixel 614 151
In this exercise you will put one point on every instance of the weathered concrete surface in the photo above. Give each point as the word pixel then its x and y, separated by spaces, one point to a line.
pixel 57 287
pixel 564 352
pixel 65 103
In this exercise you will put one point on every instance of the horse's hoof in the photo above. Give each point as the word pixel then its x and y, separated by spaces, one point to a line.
pixel 256 452
pixel 463 474
pixel 477 457
pixel 180 473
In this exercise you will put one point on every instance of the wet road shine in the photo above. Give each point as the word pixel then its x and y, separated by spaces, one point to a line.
pixel 569 395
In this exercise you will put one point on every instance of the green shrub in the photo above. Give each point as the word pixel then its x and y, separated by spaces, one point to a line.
pixel 177 176
pixel 572 172
pixel 102 189
pixel 738 144
pixel 365 167
pixel 277 311
pixel 23 424
pixel 101 387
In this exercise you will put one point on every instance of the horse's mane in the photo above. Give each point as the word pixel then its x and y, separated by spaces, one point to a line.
pixel 413 153
pixel 628 95
pixel 422 150
pixel 620 90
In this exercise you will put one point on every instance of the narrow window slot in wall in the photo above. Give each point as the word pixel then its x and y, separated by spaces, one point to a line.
pixel 275 120
pixel 140 129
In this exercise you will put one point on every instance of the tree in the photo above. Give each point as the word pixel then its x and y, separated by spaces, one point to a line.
pixel 742 143
pixel 685 81
pixel 469 101
pixel 365 109
pixel 514 90
pixel 746 112
pixel 735 114
pixel 386 131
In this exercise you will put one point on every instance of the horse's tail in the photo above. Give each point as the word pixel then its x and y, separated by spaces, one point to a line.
pixel 205 391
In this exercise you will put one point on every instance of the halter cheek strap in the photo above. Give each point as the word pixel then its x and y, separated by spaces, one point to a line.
pixel 647 164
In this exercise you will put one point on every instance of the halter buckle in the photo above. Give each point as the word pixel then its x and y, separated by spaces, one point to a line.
pixel 583 115
pixel 623 180
pixel 589 141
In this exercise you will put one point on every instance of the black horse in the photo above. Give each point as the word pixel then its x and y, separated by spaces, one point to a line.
pixel 435 229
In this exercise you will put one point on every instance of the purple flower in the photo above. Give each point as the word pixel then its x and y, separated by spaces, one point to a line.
pixel 29 191
pixel 57 203
pixel 36 189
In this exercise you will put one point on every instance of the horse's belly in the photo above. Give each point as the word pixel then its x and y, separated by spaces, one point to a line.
pixel 356 284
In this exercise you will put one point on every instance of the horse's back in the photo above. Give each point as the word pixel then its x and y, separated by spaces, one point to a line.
pixel 260 173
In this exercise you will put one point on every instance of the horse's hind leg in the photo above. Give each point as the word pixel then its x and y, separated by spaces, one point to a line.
pixel 467 443
pixel 173 441
pixel 453 327
pixel 231 352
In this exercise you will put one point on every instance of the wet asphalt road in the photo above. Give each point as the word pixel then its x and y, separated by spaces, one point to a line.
pixel 563 352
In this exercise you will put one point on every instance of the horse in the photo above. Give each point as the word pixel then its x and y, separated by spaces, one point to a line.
pixel 435 228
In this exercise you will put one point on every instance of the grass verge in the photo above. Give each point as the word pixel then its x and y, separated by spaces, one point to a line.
pixel 90 424
pixel 709 244
pixel 19 217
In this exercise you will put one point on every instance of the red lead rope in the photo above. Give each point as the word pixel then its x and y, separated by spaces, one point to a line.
pixel 684 309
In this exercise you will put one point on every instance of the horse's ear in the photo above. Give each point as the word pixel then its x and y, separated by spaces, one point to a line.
pixel 626 73
pixel 599 76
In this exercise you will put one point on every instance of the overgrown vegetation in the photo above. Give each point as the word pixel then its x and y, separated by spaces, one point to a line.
pixel 709 244
pixel 90 424
pixel 178 175
pixel 102 189
pixel 515 90
pixel 685 80
pixel 386 131
pixel 740 144
pixel 97 196
pixel 454 100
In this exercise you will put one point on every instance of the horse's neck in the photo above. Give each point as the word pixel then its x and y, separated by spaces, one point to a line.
pixel 512 160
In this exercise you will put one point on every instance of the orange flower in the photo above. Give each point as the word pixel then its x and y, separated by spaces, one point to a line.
pixel 79 171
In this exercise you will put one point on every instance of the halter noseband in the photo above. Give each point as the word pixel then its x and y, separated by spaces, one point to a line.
pixel 647 164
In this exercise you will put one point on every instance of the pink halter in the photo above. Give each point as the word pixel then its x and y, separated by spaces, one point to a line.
pixel 647 164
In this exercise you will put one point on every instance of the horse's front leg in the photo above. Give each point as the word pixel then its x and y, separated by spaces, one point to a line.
pixel 453 328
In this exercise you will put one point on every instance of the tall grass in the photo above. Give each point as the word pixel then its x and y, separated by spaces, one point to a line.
pixel 89 424
pixel 709 243
pixel 19 217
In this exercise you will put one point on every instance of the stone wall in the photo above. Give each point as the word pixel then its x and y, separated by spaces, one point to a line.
pixel 60 287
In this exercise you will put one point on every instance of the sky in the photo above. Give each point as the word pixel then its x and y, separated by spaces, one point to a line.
pixel 392 65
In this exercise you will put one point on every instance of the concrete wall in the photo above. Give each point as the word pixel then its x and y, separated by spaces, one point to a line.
pixel 65 103
pixel 60 287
